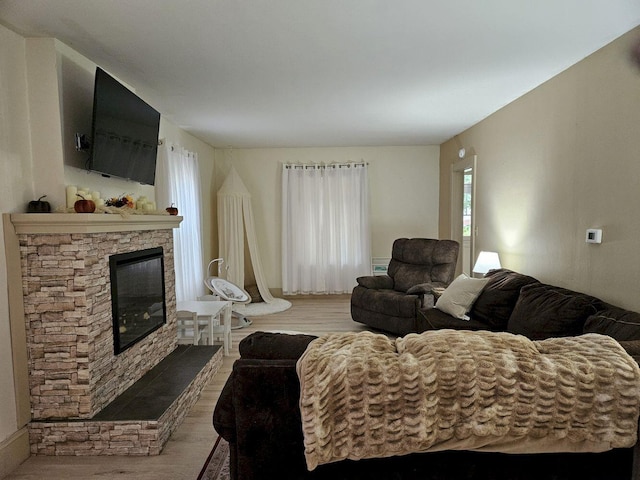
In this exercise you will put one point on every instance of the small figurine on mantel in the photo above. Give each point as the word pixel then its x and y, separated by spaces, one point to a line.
pixel 74 193
pixel 172 210
pixel 39 206
pixel 84 205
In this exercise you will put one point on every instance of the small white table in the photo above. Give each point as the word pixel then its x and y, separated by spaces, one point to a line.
pixel 212 310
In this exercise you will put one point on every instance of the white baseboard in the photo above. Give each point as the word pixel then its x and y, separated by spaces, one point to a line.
pixel 13 451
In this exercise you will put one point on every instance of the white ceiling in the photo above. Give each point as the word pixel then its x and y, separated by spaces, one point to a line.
pixel 285 73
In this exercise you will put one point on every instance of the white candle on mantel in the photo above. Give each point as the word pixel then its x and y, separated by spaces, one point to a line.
pixel 72 190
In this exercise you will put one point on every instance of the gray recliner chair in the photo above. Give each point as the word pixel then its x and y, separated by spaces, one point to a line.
pixel 391 302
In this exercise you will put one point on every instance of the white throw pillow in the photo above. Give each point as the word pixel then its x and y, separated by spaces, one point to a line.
pixel 457 298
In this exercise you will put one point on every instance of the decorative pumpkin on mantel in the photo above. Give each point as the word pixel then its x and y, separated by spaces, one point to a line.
pixel 84 206
pixel 172 210
pixel 39 206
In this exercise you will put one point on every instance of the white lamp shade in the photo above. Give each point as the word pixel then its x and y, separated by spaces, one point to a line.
pixel 486 261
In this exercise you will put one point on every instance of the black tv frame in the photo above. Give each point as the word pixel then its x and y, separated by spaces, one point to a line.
pixel 125 148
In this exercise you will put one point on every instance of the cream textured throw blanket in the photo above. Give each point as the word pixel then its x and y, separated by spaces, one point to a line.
pixel 364 395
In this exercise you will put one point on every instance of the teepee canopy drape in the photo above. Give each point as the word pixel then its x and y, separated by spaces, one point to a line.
pixel 235 220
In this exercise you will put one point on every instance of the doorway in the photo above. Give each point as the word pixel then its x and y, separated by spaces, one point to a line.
pixel 463 199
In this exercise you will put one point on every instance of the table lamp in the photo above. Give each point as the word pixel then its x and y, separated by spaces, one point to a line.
pixel 486 261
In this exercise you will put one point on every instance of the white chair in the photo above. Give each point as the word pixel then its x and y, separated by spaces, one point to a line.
pixel 190 329
pixel 221 330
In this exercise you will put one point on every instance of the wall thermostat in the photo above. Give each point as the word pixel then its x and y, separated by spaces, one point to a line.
pixel 594 235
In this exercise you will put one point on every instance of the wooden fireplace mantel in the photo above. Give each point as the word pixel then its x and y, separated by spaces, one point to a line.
pixel 29 223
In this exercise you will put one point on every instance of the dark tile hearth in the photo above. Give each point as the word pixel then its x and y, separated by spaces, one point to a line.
pixel 153 394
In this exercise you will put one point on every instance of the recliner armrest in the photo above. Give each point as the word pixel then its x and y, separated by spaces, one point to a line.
pixel 376 282
pixel 421 289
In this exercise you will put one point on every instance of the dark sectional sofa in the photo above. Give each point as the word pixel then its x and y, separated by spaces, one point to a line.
pixel 258 412
pixel 520 304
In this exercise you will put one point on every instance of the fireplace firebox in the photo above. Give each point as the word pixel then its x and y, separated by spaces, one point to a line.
pixel 137 296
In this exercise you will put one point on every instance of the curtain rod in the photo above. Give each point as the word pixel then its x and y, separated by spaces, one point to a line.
pixel 173 147
pixel 324 165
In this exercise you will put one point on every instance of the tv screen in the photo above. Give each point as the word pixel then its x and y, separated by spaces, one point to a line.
pixel 124 132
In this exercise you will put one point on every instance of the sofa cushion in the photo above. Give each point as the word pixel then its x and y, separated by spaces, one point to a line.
pixel 457 298
pixel 434 319
pixel 498 298
pixel 544 311
pixel 616 322
pixel 274 346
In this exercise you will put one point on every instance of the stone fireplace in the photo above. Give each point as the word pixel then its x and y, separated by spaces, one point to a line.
pixel 73 370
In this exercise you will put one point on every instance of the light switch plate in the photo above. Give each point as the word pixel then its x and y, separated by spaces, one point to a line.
pixel 594 235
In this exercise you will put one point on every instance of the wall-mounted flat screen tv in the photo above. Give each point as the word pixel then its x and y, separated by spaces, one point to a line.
pixel 124 138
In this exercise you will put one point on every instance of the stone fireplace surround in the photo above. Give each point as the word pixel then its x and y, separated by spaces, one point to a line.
pixel 73 372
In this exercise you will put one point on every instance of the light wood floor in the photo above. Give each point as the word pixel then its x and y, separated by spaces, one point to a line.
pixel 189 446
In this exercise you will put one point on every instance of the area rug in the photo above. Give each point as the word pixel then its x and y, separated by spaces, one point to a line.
pixel 216 467
pixel 262 308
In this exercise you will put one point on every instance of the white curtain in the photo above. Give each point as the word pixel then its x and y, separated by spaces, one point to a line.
pixel 326 241
pixel 178 183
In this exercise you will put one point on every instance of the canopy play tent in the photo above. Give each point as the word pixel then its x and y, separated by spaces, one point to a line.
pixel 235 221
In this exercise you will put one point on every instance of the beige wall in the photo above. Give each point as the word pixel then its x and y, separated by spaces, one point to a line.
pixel 555 162
pixel 16 189
pixel 403 182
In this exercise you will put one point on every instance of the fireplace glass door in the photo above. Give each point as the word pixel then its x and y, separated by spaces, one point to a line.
pixel 137 296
